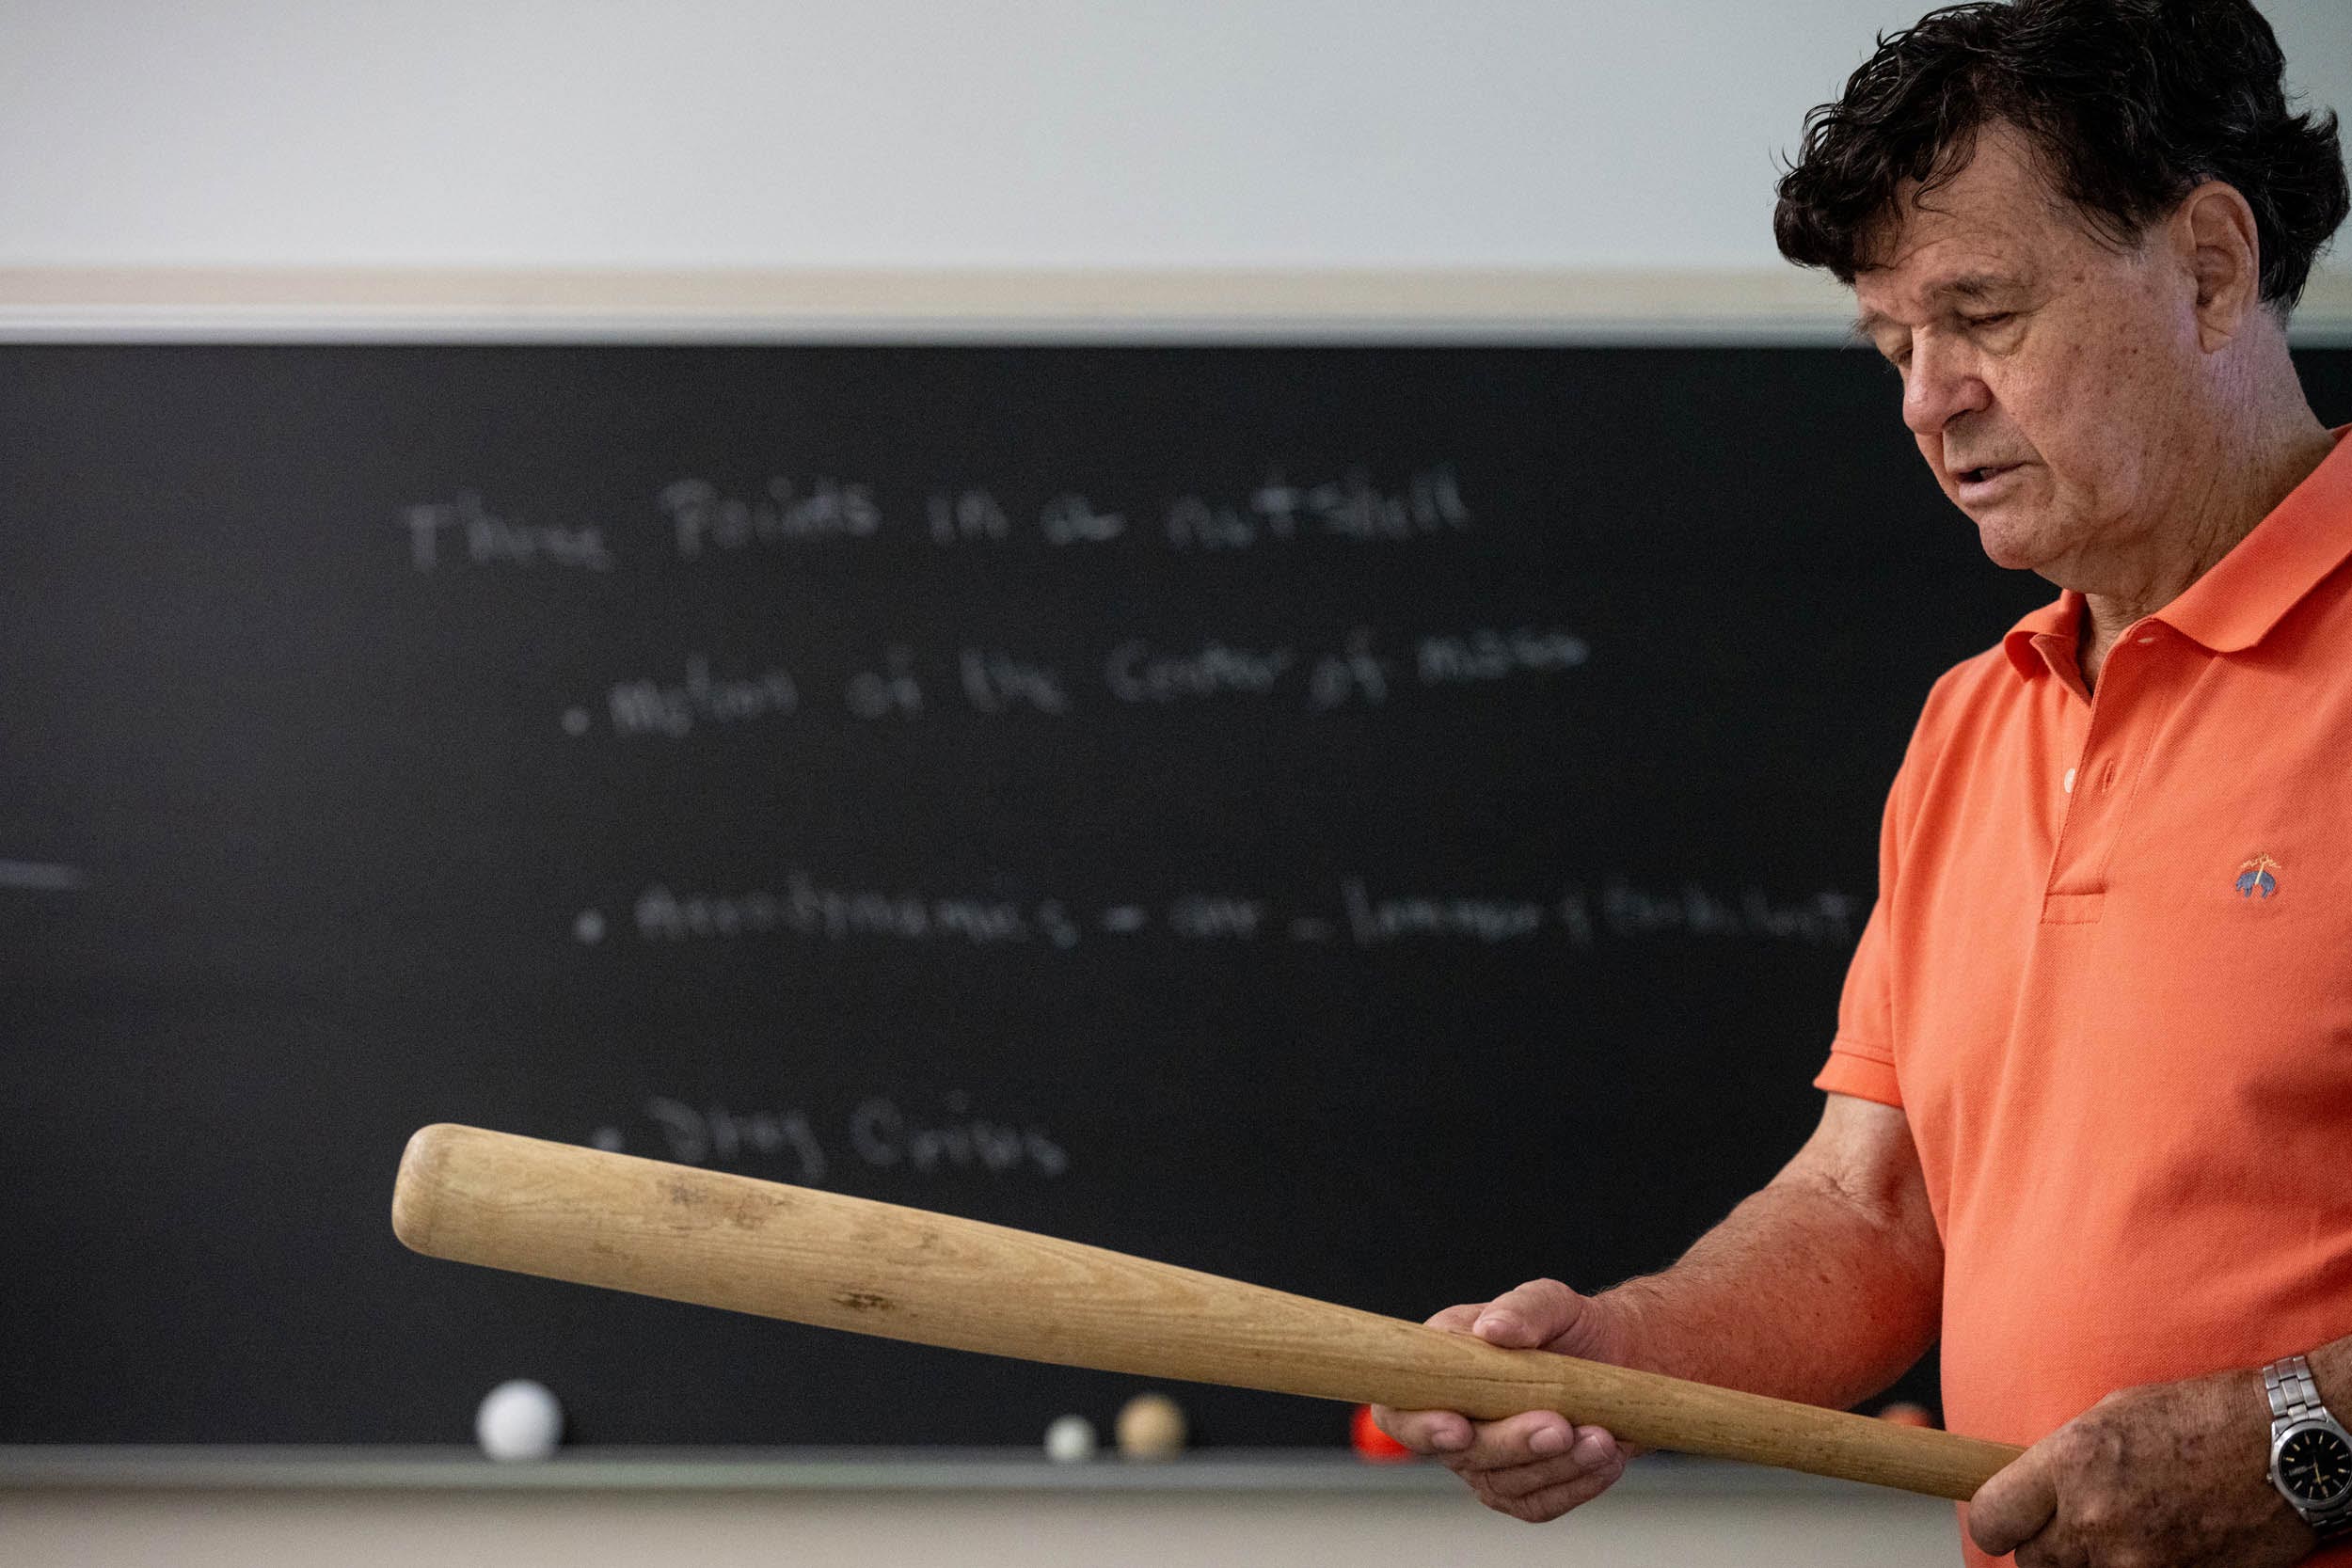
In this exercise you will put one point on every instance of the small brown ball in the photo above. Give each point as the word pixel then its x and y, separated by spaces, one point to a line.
pixel 1150 1426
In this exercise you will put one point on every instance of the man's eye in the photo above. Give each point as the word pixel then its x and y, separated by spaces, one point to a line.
pixel 1993 318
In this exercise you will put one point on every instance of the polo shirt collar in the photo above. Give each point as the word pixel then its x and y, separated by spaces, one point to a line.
pixel 2043 642
pixel 2243 595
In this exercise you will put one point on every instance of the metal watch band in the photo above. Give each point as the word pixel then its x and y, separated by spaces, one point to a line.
pixel 2295 1396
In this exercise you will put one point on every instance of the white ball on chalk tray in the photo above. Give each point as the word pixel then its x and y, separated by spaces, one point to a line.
pixel 1069 1440
pixel 520 1419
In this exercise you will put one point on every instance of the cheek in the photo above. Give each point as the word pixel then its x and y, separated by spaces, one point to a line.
pixel 2079 421
pixel 2100 421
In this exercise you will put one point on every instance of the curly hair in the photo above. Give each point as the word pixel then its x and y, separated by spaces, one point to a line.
pixel 2129 104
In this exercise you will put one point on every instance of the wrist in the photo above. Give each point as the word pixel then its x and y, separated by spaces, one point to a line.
pixel 1615 1316
pixel 2311 1451
pixel 1618 1333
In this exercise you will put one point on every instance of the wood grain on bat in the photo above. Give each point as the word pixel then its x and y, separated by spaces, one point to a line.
pixel 810 1257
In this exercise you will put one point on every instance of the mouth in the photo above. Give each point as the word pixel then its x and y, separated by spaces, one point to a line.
pixel 1980 480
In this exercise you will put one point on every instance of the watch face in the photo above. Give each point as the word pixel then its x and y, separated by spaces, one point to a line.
pixel 2315 1465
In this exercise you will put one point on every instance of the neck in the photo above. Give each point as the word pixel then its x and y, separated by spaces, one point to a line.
pixel 2242 470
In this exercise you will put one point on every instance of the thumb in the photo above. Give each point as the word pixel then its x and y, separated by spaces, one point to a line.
pixel 2012 1508
pixel 1534 1317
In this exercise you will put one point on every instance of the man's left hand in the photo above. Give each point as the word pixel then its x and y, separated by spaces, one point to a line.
pixel 2170 1475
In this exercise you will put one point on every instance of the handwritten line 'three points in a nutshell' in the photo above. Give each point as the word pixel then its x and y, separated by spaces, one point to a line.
pixel 694 519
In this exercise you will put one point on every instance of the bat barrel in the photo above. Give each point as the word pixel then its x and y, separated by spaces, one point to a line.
pixel 825 1259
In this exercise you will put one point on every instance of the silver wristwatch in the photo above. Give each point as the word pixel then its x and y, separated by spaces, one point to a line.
pixel 2311 1453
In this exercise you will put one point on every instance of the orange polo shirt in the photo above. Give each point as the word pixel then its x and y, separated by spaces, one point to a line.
pixel 2108 980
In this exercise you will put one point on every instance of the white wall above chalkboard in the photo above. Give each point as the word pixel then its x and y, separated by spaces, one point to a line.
pixel 1270 134
pixel 1581 171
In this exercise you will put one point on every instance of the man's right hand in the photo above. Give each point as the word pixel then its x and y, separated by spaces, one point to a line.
pixel 1536 1466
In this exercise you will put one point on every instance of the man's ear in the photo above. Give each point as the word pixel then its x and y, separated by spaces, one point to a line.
pixel 2213 234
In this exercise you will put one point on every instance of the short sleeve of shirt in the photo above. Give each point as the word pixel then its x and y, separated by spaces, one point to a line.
pixel 1862 1056
pixel 1860 1060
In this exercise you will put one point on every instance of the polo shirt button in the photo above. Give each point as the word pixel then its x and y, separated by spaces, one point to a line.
pixel 2069 781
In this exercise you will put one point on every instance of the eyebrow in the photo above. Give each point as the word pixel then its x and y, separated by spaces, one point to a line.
pixel 1967 286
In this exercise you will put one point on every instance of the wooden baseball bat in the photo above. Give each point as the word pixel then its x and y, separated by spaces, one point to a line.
pixel 810 1257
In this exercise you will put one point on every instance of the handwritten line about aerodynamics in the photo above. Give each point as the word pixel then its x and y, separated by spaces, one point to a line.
pixel 1617 908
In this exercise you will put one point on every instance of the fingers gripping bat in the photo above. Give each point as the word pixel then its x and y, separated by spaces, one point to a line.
pixel 810 1257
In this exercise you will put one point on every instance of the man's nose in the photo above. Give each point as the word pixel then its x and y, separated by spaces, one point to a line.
pixel 1941 384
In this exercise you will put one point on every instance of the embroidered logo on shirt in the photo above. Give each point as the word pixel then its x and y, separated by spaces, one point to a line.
pixel 2255 876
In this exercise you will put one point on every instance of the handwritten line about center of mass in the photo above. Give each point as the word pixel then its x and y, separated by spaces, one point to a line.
pixel 1361 670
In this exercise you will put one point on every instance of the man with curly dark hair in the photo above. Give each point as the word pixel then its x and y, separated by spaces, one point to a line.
pixel 2088 1109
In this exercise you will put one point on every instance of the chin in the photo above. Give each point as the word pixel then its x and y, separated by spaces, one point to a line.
pixel 2007 544
pixel 2011 554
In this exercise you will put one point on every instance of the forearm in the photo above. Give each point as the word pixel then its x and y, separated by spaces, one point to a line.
pixel 1824 1287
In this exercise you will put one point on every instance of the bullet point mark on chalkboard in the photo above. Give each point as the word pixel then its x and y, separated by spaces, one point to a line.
pixel 42 877
pixel 576 722
pixel 589 927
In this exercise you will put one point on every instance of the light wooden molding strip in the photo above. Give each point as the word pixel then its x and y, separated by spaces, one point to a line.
pixel 307 304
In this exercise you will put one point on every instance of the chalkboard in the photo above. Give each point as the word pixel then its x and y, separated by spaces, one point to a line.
pixel 1383 822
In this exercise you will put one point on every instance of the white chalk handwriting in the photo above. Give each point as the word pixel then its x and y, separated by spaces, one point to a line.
pixel 942 1137
pixel 698 519
pixel 1359 913
pixel 901 683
